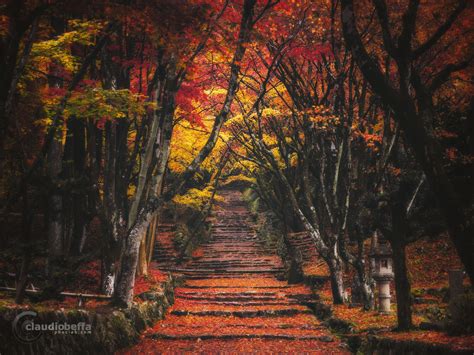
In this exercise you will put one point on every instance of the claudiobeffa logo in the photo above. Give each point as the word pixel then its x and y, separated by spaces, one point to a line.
pixel 27 329
pixel 23 327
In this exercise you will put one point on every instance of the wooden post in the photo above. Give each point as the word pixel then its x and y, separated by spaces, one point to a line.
pixel 455 287
pixel 151 241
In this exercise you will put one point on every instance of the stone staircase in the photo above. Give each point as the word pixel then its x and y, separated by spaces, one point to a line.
pixel 232 300
pixel 164 253
pixel 312 265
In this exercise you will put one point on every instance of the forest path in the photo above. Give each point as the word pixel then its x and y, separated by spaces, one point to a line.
pixel 232 300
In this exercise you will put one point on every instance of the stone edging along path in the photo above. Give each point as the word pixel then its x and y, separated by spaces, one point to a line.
pixel 111 329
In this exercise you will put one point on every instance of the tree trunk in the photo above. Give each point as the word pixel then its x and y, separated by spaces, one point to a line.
pixel 337 281
pixel 151 241
pixel 402 288
pixel 108 275
pixel 67 175
pixel 94 144
pixel 122 183
pixel 23 278
pixel 112 218
pixel 129 261
pixel 142 267
pixel 26 240
pixel 397 238
pixel 12 63
pixel 111 253
pixel 55 205
pixel 365 277
pixel 364 287
pixel 78 199
pixel 146 166
pixel 402 282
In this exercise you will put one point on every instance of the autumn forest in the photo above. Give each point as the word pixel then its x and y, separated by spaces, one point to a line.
pixel 207 176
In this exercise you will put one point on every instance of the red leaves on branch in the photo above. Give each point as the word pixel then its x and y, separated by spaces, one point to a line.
pixel 311 53
pixel 191 99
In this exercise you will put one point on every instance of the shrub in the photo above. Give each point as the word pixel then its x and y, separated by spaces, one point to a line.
pixel 180 236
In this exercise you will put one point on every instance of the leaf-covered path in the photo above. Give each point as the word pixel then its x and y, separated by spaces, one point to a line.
pixel 232 300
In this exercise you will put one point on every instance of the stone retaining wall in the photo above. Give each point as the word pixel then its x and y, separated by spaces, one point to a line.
pixel 372 344
pixel 112 328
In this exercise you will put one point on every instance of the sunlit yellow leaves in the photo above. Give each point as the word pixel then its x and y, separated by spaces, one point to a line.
pixel 240 178
pixel 44 122
pixel 185 144
pixel 97 103
pixel 278 158
pixel 195 198
pixel 246 166
pixel 131 191
pixel 270 141
pixel 58 50
pixel 215 91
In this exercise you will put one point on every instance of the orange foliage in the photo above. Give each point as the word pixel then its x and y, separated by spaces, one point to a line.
pixel 150 281
pixel 429 261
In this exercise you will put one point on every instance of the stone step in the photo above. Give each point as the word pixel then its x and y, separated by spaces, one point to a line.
pixel 224 276
pixel 247 303
pixel 251 334
pixel 300 320
pixel 214 272
pixel 224 287
pixel 280 295
pixel 266 296
pixel 202 263
pixel 288 312
pixel 263 325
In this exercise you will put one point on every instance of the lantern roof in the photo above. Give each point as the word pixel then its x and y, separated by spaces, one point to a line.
pixel 381 249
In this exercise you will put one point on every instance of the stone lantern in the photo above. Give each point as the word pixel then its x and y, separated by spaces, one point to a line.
pixel 381 254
